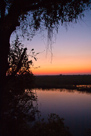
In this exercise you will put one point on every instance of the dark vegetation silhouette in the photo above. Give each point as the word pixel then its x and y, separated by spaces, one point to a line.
pixel 18 59
pixel 19 66
pixel 27 16
pixel 19 110
pixel 45 13
pixel 20 103
pixel 19 75
pixel 20 106
pixel 54 127
pixel 79 82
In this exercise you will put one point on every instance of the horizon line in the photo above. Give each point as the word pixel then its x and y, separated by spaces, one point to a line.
pixel 61 74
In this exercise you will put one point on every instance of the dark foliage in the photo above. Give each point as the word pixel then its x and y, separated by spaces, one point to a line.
pixel 53 127
pixel 18 60
pixel 47 13
pixel 19 110
pixel 64 81
pixel 32 15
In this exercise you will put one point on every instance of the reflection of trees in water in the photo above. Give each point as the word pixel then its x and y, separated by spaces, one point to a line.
pixel 71 88
pixel 22 112
pixel 53 127
pixel 24 105
pixel 21 109
pixel 80 89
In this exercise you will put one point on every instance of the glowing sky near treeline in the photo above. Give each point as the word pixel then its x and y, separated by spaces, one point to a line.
pixel 71 49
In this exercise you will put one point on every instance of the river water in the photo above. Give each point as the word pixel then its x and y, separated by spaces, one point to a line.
pixel 72 105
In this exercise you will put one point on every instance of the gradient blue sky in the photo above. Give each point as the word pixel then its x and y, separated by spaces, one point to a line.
pixel 71 49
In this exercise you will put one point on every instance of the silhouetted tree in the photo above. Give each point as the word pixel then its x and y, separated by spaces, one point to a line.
pixel 49 13
pixel 19 74
pixel 18 60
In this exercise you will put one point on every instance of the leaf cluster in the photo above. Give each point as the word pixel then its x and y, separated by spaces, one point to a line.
pixel 35 14
pixel 54 127
pixel 18 59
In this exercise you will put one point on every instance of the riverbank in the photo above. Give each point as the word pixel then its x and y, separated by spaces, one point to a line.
pixel 79 82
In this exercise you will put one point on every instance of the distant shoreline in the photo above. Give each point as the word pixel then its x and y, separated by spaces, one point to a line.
pixel 65 75
pixel 64 81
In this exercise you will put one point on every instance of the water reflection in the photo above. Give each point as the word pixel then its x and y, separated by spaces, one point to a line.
pixel 74 106
pixel 84 86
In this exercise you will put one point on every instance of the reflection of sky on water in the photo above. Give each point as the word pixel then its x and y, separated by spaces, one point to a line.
pixel 85 86
pixel 75 107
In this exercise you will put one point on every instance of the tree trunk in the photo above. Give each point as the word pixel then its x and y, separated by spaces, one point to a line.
pixel 7 26
pixel 19 65
pixel 4 50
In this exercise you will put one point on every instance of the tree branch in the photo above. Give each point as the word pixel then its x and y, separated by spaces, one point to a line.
pixel 20 63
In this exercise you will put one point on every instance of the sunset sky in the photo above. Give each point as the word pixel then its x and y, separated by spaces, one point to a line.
pixel 70 52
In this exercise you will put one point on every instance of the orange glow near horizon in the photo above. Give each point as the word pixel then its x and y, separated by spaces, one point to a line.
pixel 68 52
pixel 57 71
pixel 65 66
